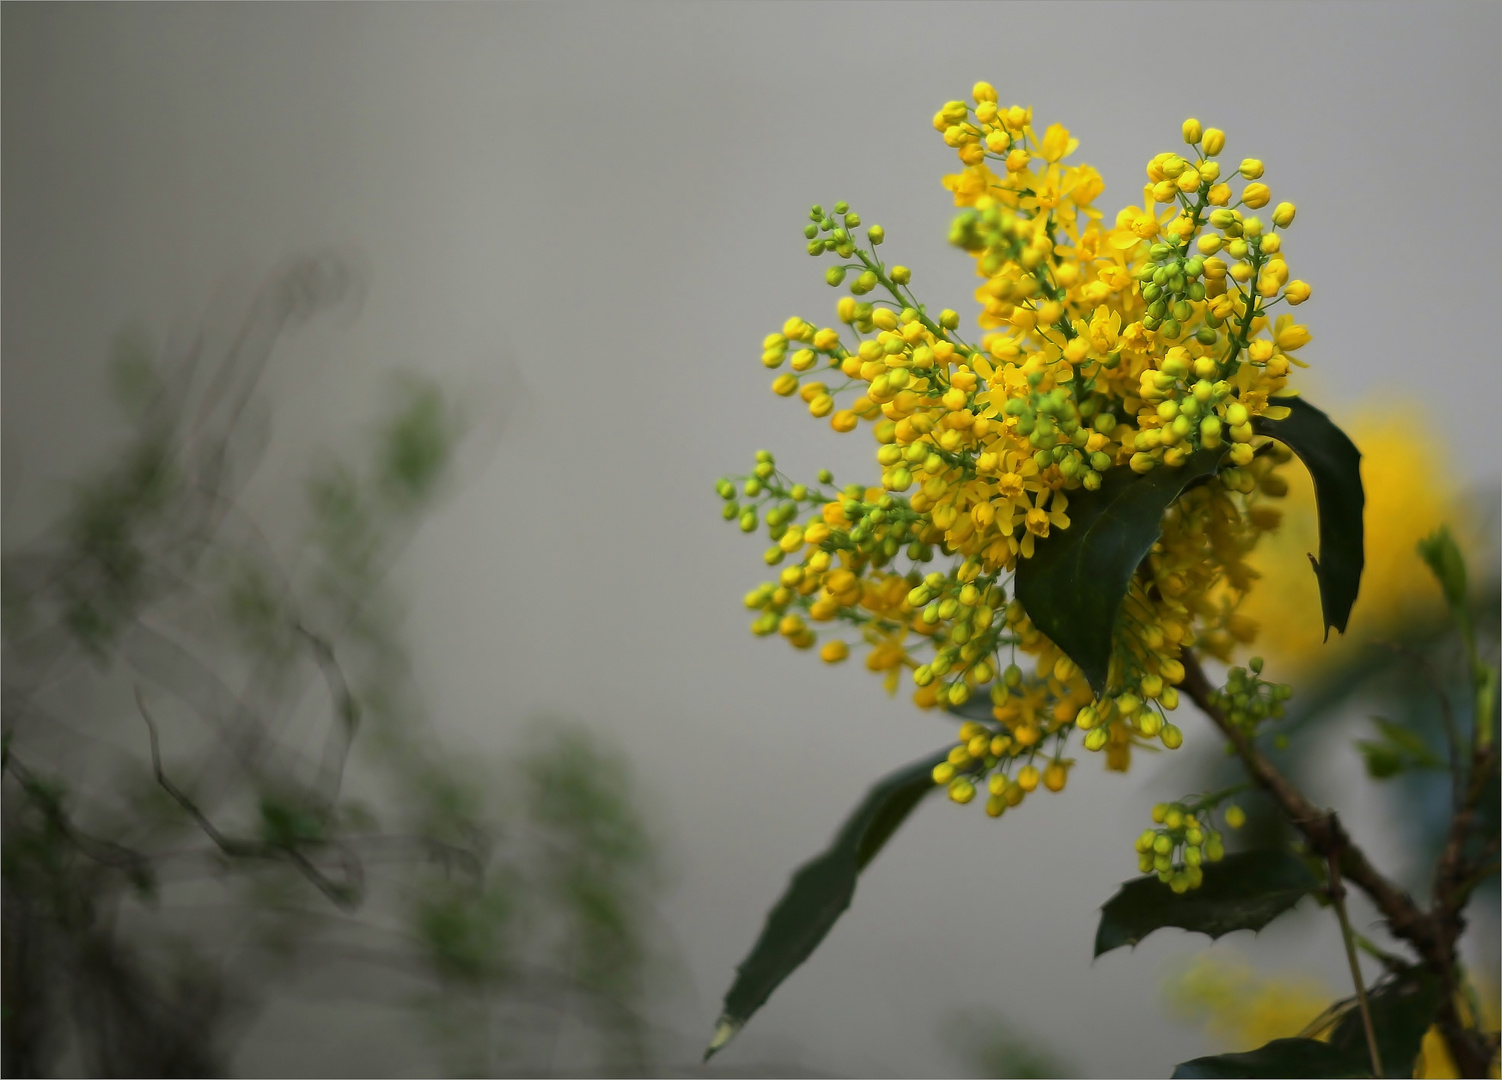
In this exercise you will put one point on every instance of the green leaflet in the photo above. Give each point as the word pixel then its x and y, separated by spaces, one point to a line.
pixel 1073 585
pixel 1397 750
pixel 1281 1057
pixel 1245 891
pixel 819 893
pixel 1335 465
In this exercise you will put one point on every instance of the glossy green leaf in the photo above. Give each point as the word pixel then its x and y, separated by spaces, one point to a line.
pixel 1073 585
pixel 819 893
pixel 1281 1057
pixel 1245 891
pixel 1403 1008
pixel 1335 465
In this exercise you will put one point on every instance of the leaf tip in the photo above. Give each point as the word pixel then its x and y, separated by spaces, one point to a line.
pixel 724 1031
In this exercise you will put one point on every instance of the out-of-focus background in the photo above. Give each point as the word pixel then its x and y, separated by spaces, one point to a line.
pixel 580 221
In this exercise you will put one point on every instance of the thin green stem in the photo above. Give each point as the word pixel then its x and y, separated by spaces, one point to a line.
pixel 1338 901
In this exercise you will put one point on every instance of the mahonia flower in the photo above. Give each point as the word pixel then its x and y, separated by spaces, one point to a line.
pixel 1132 343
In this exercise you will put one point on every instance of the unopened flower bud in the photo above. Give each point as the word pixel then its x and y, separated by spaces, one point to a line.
pixel 1256 196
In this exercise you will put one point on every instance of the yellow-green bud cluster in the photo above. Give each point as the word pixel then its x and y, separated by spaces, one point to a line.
pixel 1177 849
pixel 1247 700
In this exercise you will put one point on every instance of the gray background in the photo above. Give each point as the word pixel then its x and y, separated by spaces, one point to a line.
pixel 589 216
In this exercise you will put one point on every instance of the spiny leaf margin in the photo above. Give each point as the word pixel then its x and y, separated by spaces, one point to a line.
pixel 1244 891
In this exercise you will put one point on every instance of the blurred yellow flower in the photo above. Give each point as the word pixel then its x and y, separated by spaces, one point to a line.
pixel 1409 493
pixel 1240 1008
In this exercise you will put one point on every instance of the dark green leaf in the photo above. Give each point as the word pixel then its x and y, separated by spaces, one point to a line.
pixel 1281 1057
pixel 1335 465
pixel 1073 585
pixel 1245 891
pixel 1403 1008
pixel 819 893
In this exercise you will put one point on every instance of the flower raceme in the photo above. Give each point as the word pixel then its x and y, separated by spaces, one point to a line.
pixel 1122 344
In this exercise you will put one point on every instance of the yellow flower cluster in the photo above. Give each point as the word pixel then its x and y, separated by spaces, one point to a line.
pixel 1130 345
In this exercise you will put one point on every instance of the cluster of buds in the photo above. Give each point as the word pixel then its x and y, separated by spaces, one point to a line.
pixel 1184 841
pixel 1246 699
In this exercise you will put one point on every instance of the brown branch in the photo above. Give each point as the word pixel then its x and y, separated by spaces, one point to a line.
pixel 1322 830
pixel 1432 934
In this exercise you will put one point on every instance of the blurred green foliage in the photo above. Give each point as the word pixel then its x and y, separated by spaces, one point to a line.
pixel 174 853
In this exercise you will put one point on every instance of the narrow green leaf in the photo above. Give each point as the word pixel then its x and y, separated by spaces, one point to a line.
pixel 1443 555
pixel 1383 761
pixel 1073 585
pixel 819 893
pixel 1335 465
pixel 1281 1057
pixel 1409 741
pixel 1403 1008
pixel 1245 891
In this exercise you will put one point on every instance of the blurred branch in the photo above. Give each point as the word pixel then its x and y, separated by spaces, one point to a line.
pixel 344 895
pixel 347 709
pixel 104 852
